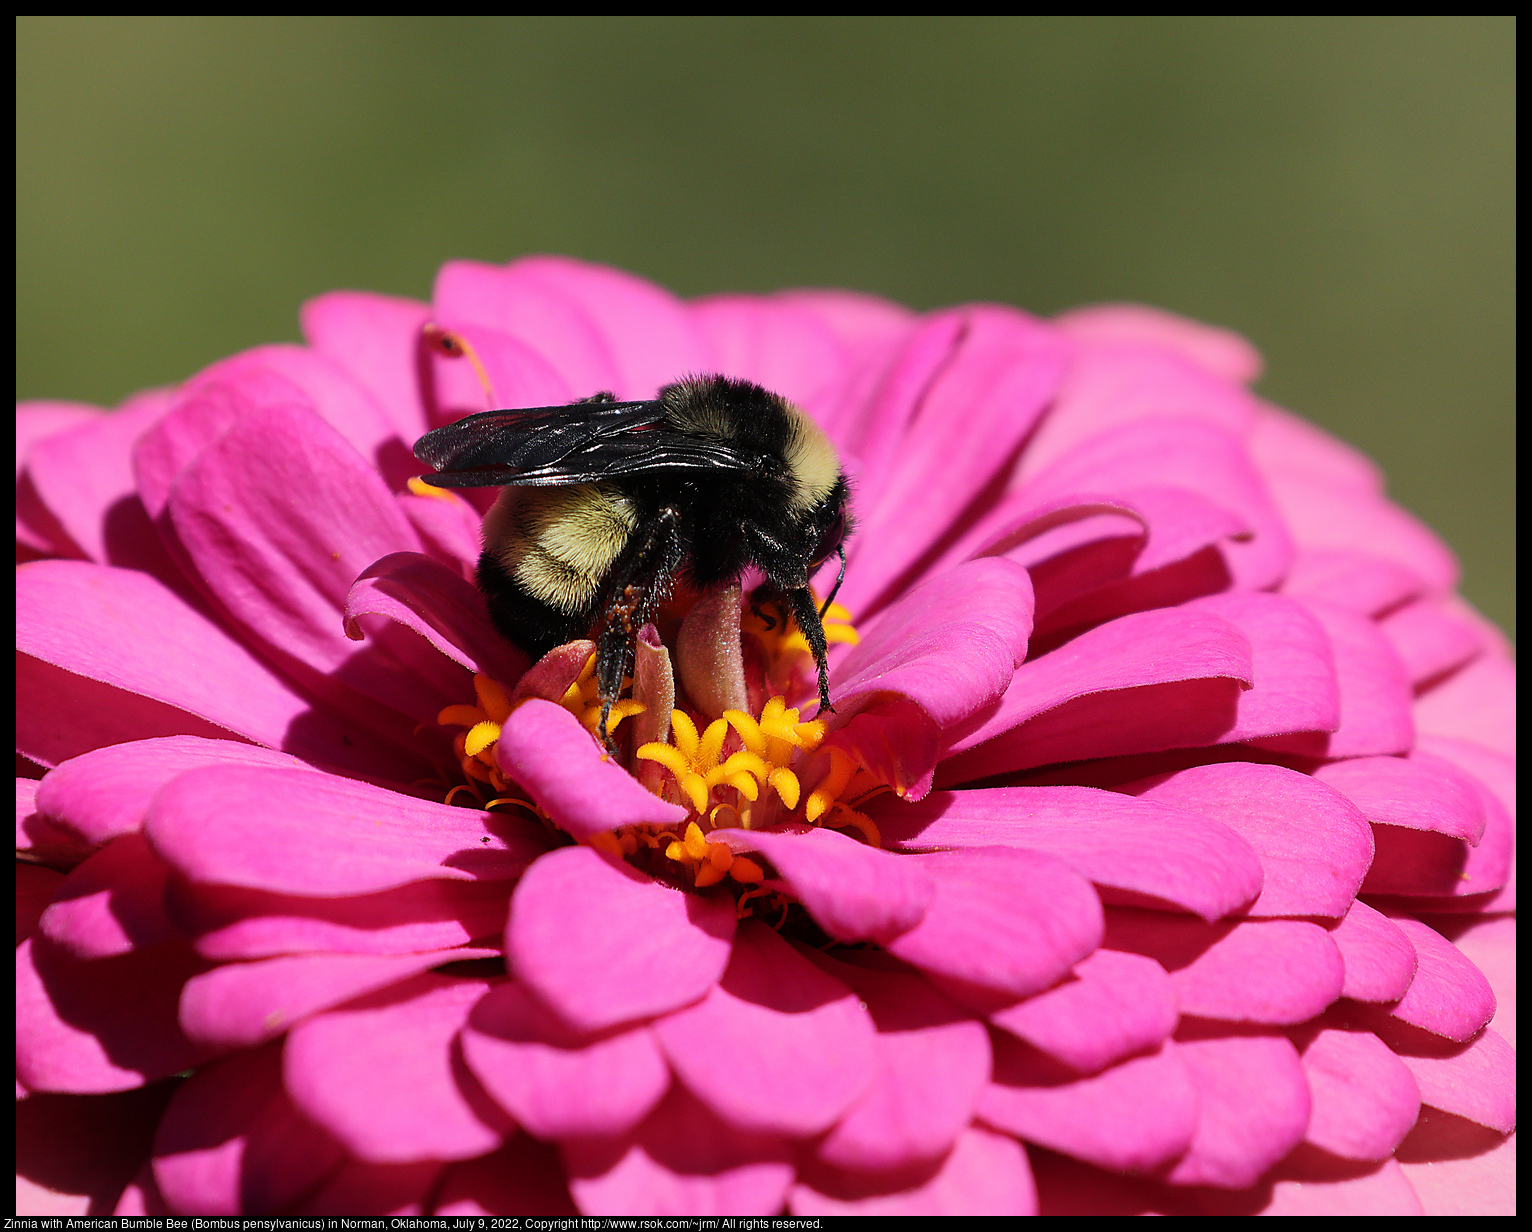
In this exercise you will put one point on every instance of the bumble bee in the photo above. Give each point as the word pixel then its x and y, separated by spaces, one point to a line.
pixel 607 504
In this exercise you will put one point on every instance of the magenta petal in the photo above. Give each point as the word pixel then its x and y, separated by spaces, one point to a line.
pixel 800 1035
pixel 602 944
pixel 1253 1108
pixel 1220 351
pixel 105 1024
pixel 231 1142
pixel 281 567
pixel 1364 1098
pixel 1380 961
pixel 1352 580
pixel 1110 1007
pixel 230 923
pixel 1476 1080
pixel 300 832
pixel 111 903
pixel 854 892
pixel 1267 971
pixel 559 1083
pixel 111 626
pixel 682 1161
pixel 106 792
pixel 242 1005
pixel 1130 848
pixel 1449 996
pixel 647 331
pixel 361 1188
pixel 1375 695
pixel 544 748
pixel 1136 1115
pixel 523 1175
pixel 932 1060
pixel 970 422
pixel 774 343
pixel 1089 697
pixel 984 1174
pixel 1430 640
pixel 374 338
pixel 1418 793
pixel 383 1074
pixel 1005 923
pixel 1476 703
pixel 1296 688
pixel 950 644
pixel 442 606
pixel 1315 846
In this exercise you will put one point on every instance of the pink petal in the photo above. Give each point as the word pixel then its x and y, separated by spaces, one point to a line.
pixel 519 375
pixel 1253 1108
pixel 1323 515
pixel 374 338
pixel 524 1175
pixel 1267 971
pixel 1005 923
pixel 932 1060
pixel 984 1174
pixel 104 1024
pixel 361 1188
pixel 381 1075
pixel 1476 1080
pixel 647 330
pixel 1131 849
pixel 774 343
pixel 682 1161
pixel 1417 793
pixel 442 606
pixel 232 923
pixel 1476 703
pixel 232 1143
pixel 106 792
pixel 1112 1006
pixel 1430 640
pixel 76 1153
pixel 1295 688
pixel 1315 846
pixel 242 1005
pixel 112 903
pixel 854 892
pixel 1375 694
pixel 298 832
pixel 79 623
pixel 1380 961
pixel 1441 873
pixel 1449 995
pixel 799 1038
pixel 1286 445
pixel 1364 1098
pixel 1220 351
pixel 1136 1115
pixel 601 944
pixel 35 887
pixel 560 1083
pixel 1111 385
pixel 544 748
pixel 535 312
pixel 970 422
pixel 1089 697
pixel 1351 579
pixel 83 474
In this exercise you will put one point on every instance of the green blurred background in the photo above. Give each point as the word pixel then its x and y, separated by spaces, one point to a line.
pixel 1338 190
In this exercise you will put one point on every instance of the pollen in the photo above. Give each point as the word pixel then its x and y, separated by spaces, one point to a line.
pixel 581 699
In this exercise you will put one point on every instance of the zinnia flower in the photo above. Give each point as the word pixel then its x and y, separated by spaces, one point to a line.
pixel 1156 856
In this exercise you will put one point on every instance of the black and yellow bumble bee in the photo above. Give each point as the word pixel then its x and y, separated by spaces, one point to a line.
pixel 608 504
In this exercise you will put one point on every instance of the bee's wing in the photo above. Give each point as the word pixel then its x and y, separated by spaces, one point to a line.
pixel 558 445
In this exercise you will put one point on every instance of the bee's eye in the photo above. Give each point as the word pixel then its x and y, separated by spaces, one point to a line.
pixel 829 539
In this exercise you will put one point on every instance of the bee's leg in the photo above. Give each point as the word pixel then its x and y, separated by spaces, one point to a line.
pixel 639 578
pixel 786 569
